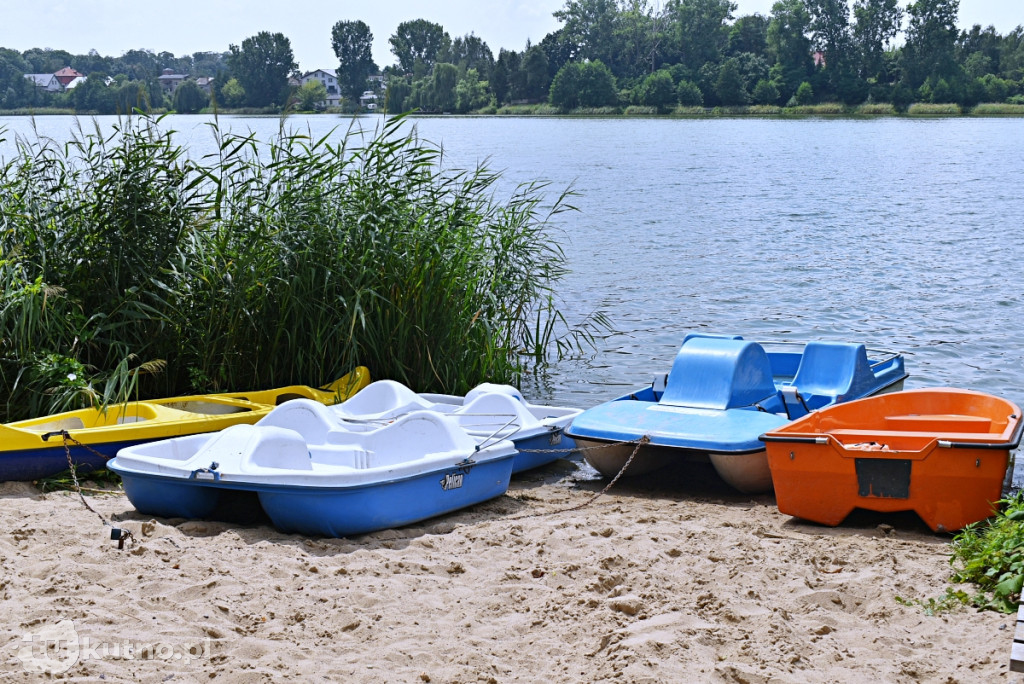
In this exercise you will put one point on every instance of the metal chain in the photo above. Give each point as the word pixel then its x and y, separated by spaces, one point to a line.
pixel 122 535
pixel 74 476
pixel 639 443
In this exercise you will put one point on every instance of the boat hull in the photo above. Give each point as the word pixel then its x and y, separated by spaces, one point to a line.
pixel 747 471
pixel 538 450
pixel 331 511
pixel 940 453
pixel 608 458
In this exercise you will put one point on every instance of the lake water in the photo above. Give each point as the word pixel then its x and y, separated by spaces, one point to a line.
pixel 904 234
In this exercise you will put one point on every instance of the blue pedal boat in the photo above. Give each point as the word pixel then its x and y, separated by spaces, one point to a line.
pixel 488 411
pixel 721 394
pixel 314 476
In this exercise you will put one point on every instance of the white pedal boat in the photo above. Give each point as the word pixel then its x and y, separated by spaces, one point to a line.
pixel 488 411
pixel 316 476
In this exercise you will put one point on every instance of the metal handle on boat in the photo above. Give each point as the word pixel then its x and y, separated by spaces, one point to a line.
pixel 794 440
pixel 208 474
pixel 1012 444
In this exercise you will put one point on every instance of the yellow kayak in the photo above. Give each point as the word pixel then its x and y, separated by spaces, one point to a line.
pixel 34 448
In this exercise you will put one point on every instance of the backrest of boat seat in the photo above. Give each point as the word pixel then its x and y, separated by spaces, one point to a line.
pixel 309 418
pixel 831 372
pixel 719 373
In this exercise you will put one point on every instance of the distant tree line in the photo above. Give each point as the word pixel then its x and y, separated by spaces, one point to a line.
pixel 255 74
pixel 607 53
pixel 615 53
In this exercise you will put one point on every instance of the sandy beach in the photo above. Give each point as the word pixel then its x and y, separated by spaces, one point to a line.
pixel 667 578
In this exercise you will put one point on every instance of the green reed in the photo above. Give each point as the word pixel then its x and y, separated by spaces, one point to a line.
pixel 128 269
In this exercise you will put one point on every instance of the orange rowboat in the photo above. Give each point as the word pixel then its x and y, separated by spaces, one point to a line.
pixel 942 453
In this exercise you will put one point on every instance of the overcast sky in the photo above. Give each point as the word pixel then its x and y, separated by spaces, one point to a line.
pixel 186 26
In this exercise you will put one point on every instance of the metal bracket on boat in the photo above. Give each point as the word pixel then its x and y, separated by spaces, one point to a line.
pixel 465 465
pixel 210 474
pixel 56 433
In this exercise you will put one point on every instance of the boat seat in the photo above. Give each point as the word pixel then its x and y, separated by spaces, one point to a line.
pixel 829 372
pixel 384 399
pixel 719 373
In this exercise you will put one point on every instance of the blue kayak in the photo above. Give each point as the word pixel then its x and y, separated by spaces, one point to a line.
pixel 721 394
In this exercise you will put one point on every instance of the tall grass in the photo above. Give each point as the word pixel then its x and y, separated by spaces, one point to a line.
pixel 128 269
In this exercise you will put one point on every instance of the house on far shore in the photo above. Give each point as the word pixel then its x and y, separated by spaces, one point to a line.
pixel 329 77
pixel 205 83
pixel 169 81
pixel 66 76
pixel 47 82
pixel 77 81
pixel 368 100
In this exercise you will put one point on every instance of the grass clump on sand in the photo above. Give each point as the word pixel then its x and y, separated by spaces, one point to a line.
pixel 990 554
pixel 128 269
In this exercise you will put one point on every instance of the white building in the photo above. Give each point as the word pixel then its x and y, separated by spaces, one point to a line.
pixel 169 81
pixel 368 100
pixel 47 82
pixel 329 78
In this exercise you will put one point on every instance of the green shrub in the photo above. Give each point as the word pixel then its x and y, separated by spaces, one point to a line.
pixel 990 555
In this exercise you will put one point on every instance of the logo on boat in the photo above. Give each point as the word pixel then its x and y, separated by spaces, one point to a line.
pixel 452 481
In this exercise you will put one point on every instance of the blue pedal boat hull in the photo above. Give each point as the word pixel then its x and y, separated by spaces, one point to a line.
pixel 540 449
pixel 312 474
pixel 720 396
pixel 329 511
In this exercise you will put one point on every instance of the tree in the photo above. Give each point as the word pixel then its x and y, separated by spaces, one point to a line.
pixel 45 60
pixel 590 84
pixel 765 93
pixel 416 45
pixel 189 98
pixel 262 66
pixel 689 94
pixel 789 46
pixel 499 81
pixel 443 82
pixel 312 94
pixel 640 38
pixel 804 94
pixel 398 92
pixel 233 94
pixel 535 73
pixel 730 88
pixel 658 90
pixel 470 52
pixel 15 89
pixel 94 95
pixel 138 64
pixel 589 27
pixel 701 29
pixel 559 51
pixel 512 62
pixel 830 25
pixel 931 41
pixel 597 85
pixel 352 43
pixel 876 23
pixel 470 93
pixel 749 34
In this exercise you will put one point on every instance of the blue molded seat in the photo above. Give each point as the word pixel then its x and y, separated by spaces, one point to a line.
pixel 832 372
pixel 719 373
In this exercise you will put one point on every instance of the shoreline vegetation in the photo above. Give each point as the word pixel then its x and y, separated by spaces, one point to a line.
pixel 129 270
pixel 826 109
